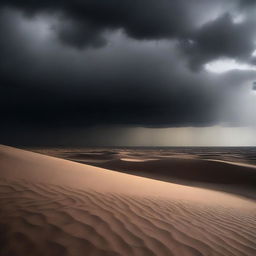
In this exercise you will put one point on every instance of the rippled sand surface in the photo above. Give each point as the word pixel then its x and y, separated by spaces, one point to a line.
pixel 52 206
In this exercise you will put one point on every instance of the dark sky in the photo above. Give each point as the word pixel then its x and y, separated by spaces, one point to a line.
pixel 68 66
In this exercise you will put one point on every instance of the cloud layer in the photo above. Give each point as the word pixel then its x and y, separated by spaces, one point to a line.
pixel 134 63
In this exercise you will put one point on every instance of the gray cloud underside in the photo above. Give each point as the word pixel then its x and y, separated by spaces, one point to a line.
pixel 124 62
pixel 83 24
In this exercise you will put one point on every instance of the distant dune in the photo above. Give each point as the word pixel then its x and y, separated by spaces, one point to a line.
pixel 51 206
pixel 229 177
pixel 226 169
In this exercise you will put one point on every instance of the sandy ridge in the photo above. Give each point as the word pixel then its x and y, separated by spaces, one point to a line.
pixel 121 214
pixel 64 221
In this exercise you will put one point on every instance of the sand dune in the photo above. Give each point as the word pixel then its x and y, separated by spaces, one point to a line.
pixel 239 178
pixel 180 166
pixel 188 169
pixel 52 206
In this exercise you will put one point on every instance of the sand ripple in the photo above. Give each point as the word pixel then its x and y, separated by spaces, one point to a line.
pixel 41 219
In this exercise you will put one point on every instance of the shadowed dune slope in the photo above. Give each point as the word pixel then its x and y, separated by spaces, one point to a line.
pixel 172 166
pixel 52 206
pixel 187 169
pixel 224 176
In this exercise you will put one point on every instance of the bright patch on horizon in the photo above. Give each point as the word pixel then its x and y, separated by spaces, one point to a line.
pixel 225 65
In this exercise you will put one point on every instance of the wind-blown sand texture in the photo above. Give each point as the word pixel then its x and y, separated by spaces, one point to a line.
pixel 51 206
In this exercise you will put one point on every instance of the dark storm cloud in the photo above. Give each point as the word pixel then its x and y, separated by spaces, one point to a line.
pixel 94 75
pixel 126 84
pixel 80 35
pixel 221 38
pixel 83 23
pixel 86 20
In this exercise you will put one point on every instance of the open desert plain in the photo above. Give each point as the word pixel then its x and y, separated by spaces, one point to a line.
pixel 52 206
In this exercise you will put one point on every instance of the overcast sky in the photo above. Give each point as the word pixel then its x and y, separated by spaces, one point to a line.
pixel 141 72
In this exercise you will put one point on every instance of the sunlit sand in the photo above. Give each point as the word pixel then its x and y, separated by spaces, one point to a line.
pixel 51 206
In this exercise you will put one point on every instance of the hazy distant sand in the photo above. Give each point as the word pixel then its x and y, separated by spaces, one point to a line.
pixel 51 206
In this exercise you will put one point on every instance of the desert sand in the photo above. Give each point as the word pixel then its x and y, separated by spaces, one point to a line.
pixel 231 170
pixel 52 206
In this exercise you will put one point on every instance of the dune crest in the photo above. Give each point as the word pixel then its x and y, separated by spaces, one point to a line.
pixel 51 206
